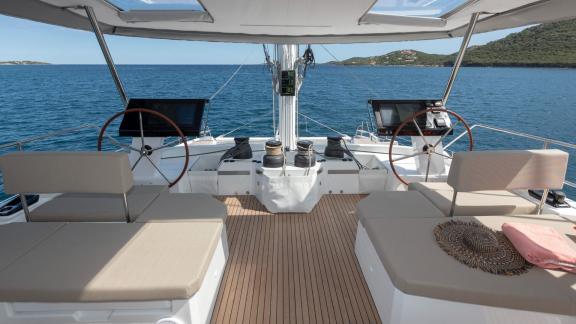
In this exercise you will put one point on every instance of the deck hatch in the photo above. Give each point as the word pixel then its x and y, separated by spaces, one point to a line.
pixel 415 8
pixel 130 5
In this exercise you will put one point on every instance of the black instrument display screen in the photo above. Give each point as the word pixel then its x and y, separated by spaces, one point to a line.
pixel 186 113
pixel 394 114
pixel 288 83
pixel 390 114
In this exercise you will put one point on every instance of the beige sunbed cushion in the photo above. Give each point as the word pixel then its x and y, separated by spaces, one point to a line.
pixel 396 204
pixel 474 203
pixel 17 239
pixel 113 262
pixel 417 266
pixel 66 172
pixel 508 170
pixel 184 207
pixel 96 207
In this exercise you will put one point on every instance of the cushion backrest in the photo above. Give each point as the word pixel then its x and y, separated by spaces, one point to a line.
pixel 66 172
pixel 508 170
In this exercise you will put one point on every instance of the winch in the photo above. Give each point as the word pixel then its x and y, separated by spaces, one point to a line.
pixel 240 151
pixel 305 156
pixel 334 148
pixel 274 157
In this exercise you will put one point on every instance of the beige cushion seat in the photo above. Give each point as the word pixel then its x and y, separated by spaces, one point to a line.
pixel 104 175
pixel 184 207
pixel 79 207
pixel 17 239
pixel 474 203
pixel 97 262
pixel 66 172
pixel 400 204
pixel 417 266
pixel 480 182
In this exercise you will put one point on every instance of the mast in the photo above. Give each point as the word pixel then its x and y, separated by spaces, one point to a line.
pixel 288 88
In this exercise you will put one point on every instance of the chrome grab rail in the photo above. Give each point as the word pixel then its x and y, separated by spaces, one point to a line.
pixel 544 140
pixel 569 184
pixel 20 143
pixel 367 134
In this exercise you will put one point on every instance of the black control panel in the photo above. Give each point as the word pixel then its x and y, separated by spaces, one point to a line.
pixel 186 113
pixel 288 83
pixel 389 115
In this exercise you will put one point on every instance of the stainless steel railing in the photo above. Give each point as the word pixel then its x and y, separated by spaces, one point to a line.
pixel 546 142
pixel 20 143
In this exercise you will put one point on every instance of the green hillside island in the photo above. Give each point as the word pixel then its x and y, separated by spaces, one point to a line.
pixel 547 45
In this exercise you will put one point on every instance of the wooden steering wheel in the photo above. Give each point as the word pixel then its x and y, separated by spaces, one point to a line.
pixel 145 150
pixel 429 149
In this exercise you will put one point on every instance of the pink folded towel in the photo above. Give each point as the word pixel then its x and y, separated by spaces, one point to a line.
pixel 542 246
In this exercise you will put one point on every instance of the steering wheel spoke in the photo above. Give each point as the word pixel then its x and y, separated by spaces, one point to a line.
pixel 178 141
pixel 141 124
pixel 137 161
pixel 429 150
pixel 446 133
pixel 145 151
pixel 442 155
pixel 121 145
pixel 428 167
pixel 407 156
pixel 157 168
pixel 420 132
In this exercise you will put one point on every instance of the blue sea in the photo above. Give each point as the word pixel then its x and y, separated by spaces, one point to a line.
pixel 38 99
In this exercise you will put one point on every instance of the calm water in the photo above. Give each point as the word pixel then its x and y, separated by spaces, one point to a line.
pixel 37 99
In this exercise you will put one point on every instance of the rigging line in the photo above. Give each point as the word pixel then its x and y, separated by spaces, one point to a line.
pixel 233 74
pixel 271 65
pixel 350 71
pixel 308 60
pixel 245 124
pixel 267 60
pixel 370 89
pixel 206 127
pixel 273 110
pixel 274 66
pixel 371 127
pixel 351 155
pixel 200 154
pixel 321 124
pixel 227 81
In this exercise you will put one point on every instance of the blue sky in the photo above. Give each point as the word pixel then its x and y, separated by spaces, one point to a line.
pixel 27 40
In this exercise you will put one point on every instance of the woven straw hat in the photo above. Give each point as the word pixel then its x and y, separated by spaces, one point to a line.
pixel 478 246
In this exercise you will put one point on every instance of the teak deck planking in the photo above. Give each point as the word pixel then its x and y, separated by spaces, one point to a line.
pixel 293 267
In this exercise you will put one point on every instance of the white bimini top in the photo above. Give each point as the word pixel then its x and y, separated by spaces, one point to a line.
pixel 292 21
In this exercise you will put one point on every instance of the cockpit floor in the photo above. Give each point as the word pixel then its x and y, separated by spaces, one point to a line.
pixel 293 267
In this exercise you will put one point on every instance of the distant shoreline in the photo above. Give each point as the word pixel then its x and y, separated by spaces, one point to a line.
pixel 542 46
pixel 519 65
pixel 531 66
pixel 23 63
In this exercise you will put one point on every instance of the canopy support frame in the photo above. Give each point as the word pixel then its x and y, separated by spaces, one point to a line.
pixel 460 57
pixel 106 52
